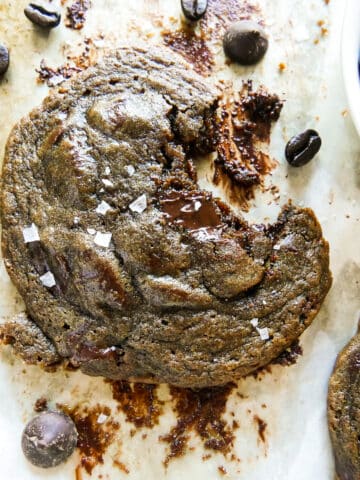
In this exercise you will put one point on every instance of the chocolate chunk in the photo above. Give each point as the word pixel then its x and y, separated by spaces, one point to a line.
pixel 194 9
pixel 4 59
pixel 42 17
pixel 49 439
pixel 302 148
pixel 245 42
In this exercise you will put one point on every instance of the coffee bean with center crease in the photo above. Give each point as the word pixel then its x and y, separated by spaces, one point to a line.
pixel 49 439
pixel 4 59
pixel 245 42
pixel 42 17
pixel 302 148
pixel 194 9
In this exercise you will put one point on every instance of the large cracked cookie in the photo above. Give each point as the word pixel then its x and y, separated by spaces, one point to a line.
pixel 344 411
pixel 127 268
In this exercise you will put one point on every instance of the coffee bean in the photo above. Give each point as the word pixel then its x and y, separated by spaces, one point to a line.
pixel 194 9
pixel 303 147
pixel 245 42
pixel 42 17
pixel 49 439
pixel 4 59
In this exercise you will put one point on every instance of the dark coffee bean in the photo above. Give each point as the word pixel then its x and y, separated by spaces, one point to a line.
pixel 194 9
pixel 42 17
pixel 245 42
pixel 303 147
pixel 49 439
pixel 4 59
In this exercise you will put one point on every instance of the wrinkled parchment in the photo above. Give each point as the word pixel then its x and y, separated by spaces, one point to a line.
pixel 297 445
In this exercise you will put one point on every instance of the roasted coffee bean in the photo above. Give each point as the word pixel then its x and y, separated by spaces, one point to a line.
pixel 4 59
pixel 194 9
pixel 302 148
pixel 42 17
pixel 245 42
pixel 49 439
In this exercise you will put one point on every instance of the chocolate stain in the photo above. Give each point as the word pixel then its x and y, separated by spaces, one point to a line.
pixel 199 411
pixel 121 466
pixel 93 438
pixel 40 405
pixel 139 402
pixel 261 427
pixel 192 47
pixel 242 128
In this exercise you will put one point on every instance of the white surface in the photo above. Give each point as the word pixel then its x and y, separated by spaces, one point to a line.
pixel 297 446
pixel 351 57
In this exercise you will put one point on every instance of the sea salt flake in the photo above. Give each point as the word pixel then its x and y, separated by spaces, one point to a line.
pixel 197 206
pixel 76 220
pixel 103 208
pixel 91 231
pixel 130 170
pixel 276 247
pixel 31 234
pixel 107 171
pixel 103 239
pixel 48 280
pixel 254 322
pixel 264 302
pixel 102 418
pixel 139 205
pixel 264 333
pixel 107 183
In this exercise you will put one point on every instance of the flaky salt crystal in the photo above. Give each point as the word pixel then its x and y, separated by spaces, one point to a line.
pixel 254 322
pixel 107 171
pixel 139 205
pixel 264 333
pixel 103 239
pixel 197 206
pixel 107 183
pixel 276 247
pixel 91 231
pixel 103 208
pixel 130 170
pixel 31 234
pixel 76 220
pixel 48 280
pixel 102 418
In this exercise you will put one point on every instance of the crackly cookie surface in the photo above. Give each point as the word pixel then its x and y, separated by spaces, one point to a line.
pixel 127 268
pixel 344 411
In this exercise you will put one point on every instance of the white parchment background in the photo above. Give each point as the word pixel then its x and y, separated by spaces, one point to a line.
pixel 297 446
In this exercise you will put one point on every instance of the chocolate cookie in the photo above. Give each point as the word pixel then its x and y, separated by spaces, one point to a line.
pixel 126 266
pixel 344 411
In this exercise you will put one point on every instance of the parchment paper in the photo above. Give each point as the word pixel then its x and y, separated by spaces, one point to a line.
pixel 297 445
